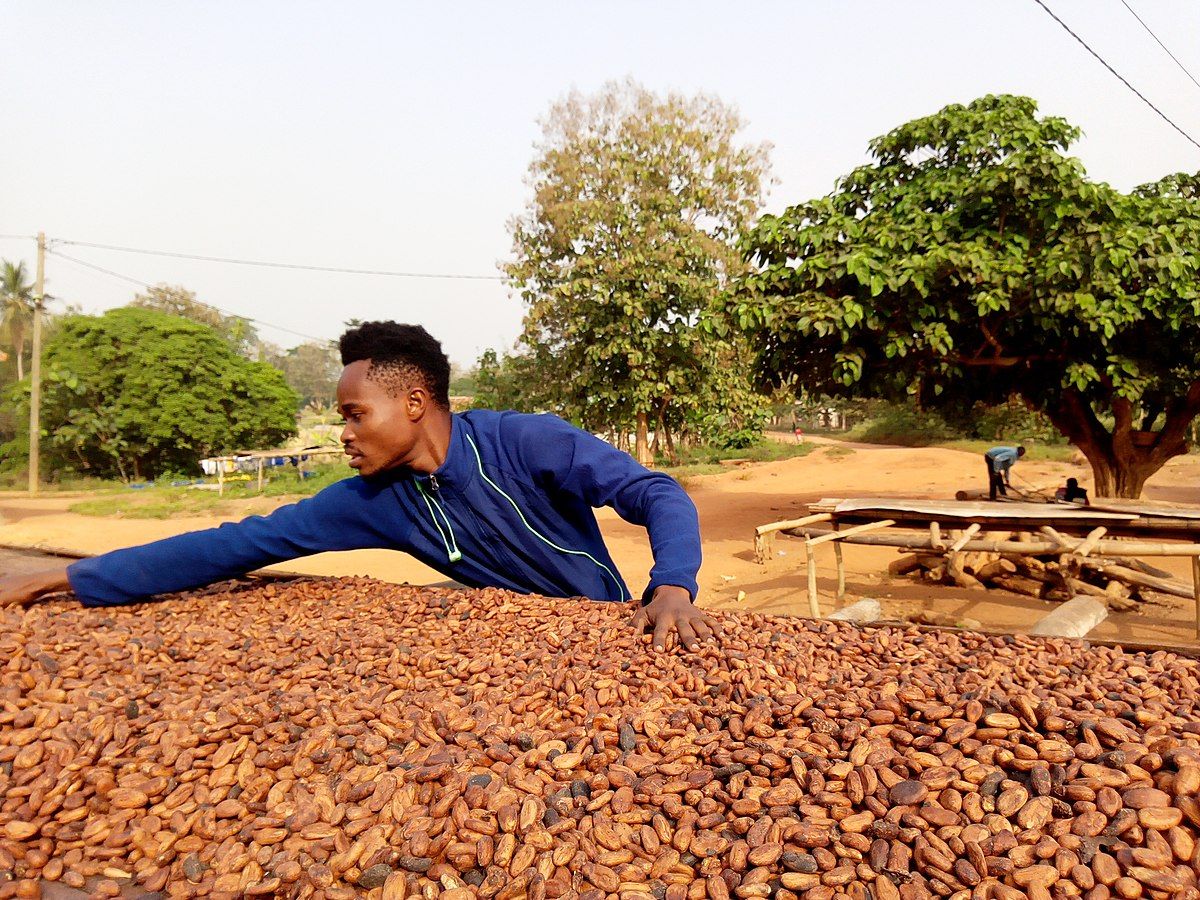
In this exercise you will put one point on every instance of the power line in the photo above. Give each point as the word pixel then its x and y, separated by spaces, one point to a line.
pixel 218 309
pixel 1163 115
pixel 1161 44
pixel 278 265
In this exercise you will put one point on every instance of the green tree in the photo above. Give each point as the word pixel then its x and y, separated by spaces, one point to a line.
pixel 177 300
pixel 972 259
pixel 312 369
pixel 16 308
pixel 136 393
pixel 637 203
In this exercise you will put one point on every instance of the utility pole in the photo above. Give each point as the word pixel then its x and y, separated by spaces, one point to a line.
pixel 35 367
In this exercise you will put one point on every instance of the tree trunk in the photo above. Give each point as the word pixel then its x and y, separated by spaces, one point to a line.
pixel 643 454
pixel 1120 465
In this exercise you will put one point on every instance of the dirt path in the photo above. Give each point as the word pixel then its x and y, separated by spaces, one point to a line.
pixel 730 505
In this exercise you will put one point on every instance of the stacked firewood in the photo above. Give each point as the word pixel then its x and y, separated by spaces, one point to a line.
pixel 1121 582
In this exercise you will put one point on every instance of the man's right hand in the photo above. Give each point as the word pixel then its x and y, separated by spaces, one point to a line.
pixel 21 590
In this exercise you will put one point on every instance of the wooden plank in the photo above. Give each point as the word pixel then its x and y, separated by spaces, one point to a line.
pixel 955 509
pixel 850 532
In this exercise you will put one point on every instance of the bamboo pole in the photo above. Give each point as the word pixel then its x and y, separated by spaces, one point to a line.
pixel 935 536
pixel 965 537
pixel 1088 544
pixel 1030 547
pixel 260 473
pixel 850 532
pixel 765 534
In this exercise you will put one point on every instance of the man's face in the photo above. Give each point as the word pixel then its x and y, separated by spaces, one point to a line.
pixel 381 429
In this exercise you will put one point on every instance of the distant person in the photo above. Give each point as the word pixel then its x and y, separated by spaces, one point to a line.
pixel 490 499
pixel 1073 493
pixel 1000 461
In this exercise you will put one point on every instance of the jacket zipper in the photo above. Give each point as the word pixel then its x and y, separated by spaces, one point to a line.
pixel 435 507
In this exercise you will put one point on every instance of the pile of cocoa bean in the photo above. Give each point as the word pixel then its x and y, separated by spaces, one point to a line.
pixel 348 738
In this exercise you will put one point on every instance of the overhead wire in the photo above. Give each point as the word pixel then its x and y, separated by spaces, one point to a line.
pixel 1166 50
pixel 1122 78
pixel 224 312
pixel 345 270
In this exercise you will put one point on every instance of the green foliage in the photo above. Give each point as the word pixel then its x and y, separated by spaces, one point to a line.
pixel 177 300
pixel 16 311
pixel 637 201
pixel 906 426
pixel 971 260
pixel 1013 422
pixel 504 382
pixel 312 370
pixel 134 393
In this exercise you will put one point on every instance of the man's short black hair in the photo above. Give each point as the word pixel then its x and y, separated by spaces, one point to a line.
pixel 1020 451
pixel 399 355
pixel 1072 482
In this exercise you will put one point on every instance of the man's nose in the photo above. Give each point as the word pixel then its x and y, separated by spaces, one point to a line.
pixel 347 433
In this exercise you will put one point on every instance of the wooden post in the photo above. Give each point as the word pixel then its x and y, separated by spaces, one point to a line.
pixel 810 558
pixel 220 476
pixel 1196 591
pixel 260 473
pixel 841 571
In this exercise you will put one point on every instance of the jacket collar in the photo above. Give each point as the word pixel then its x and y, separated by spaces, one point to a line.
pixel 459 466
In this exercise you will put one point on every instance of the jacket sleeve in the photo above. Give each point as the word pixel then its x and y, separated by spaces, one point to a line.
pixel 572 460
pixel 337 518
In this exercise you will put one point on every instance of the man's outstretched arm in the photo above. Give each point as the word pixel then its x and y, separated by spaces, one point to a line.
pixel 21 590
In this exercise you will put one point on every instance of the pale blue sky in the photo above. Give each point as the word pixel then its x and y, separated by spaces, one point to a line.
pixel 397 135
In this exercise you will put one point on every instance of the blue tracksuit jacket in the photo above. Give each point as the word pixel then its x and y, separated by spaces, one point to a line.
pixel 511 507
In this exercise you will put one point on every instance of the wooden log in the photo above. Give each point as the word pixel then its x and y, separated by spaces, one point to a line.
pixel 1074 619
pixel 910 562
pixel 1145 567
pixel 1132 576
pixel 1117 597
pixel 999 566
pixel 1082 587
pixel 1019 584
pixel 1030 566
pixel 865 610
pixel 960 577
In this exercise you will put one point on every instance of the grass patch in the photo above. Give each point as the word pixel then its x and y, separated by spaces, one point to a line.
pixel 839 452
pixel 697 461
pixel 161 501
pixel 1047 452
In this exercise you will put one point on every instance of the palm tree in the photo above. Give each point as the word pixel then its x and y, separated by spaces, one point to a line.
pixel 16 307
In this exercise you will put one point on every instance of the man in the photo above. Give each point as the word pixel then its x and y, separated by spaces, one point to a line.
pixel 1073 493
pixel 491 499
pixel 1000 461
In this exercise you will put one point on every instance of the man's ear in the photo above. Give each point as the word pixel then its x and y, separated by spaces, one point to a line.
pixel 416 403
